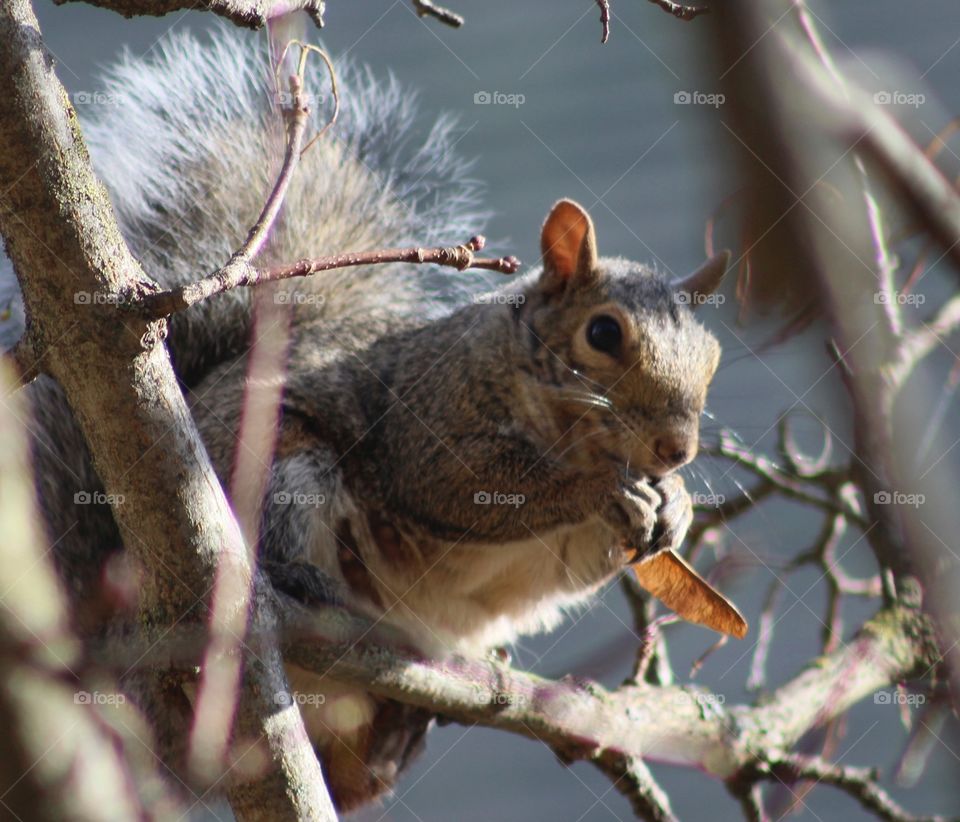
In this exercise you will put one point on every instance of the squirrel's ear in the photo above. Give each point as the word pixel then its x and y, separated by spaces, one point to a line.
pixel 706 279
pixel 569 247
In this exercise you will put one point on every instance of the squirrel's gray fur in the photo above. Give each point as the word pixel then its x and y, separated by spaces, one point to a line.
pixel 406 407
pixel 188 143
pixel 194 142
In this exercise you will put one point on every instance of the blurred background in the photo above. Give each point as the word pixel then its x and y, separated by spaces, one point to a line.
pixel 631 130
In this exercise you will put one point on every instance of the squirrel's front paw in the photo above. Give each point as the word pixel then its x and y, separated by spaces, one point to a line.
pixel 674 515
pixel 632 513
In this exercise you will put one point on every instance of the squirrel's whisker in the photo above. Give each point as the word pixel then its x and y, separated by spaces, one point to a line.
pixel 594 400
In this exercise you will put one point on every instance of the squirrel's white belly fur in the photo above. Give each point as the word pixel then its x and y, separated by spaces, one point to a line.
pixel 452 597
pixel 469 597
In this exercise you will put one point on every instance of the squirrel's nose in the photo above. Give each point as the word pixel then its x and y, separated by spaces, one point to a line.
pixel 673 451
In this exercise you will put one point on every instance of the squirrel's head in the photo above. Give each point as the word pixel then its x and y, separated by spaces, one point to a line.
pixel 623 363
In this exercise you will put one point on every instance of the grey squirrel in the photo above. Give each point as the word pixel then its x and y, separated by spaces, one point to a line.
pixel 463 466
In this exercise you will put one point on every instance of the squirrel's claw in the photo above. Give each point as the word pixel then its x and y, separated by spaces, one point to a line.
pixel 674 516
pixel 651 517
pixel 632 513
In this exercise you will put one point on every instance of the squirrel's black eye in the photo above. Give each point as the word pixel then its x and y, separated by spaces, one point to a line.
pixel 604 333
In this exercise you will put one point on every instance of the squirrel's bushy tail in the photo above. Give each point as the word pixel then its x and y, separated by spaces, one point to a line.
pixel 189 142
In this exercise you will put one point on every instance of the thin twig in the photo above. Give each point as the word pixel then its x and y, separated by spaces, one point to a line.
pixel 604 19
pixel 632 778
pixel 758 675
pixel 729 509
pixel 790 486
pixel 749 794
pixel 221 671
pixel 681 11
pixel 652 664
pixel 305 50
pixel 460 257
pixel 800 463
pixel 427 8
pixel 250 13
pixel 919 343
pixel 860 783
pixel 257 236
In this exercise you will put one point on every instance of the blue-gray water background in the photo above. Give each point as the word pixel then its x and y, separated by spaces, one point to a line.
pixel 601 125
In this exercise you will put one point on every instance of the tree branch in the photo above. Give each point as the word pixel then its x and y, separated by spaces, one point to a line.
pixel 632 778
pixel 797 488
pixel 799 99
pixel 682 11
pixel 860 783
pixel 252 14
pixel 581 719
pixel 119 381
pixel 920 342
pixel 96 773
pixel 461 257
pixel 427 8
